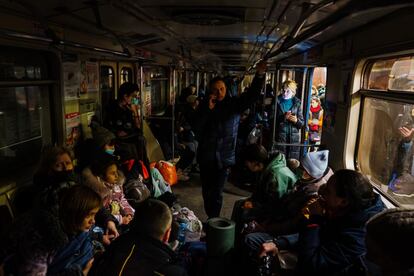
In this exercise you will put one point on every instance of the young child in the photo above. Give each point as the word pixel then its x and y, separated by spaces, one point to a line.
pixel 109 186
pixel 42 243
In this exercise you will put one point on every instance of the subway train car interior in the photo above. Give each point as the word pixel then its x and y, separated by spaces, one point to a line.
pixel 206 137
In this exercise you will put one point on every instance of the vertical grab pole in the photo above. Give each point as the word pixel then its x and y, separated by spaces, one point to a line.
pixel 141 106
pixel 141 87
pixel 173 114
pixel 263 109
pixel 275 109
pixel 197 82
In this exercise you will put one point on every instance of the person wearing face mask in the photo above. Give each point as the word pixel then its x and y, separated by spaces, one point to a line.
pixel 289 120
pixel 55 174
pixel 104 140
pixel 122 113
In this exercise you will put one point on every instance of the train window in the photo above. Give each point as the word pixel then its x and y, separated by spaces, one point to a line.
pixel 392 74
pixel 107 77
pixel 22 126
pixel 126 75
pixel 386 147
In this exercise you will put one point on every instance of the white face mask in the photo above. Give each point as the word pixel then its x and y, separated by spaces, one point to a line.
pixel 287 94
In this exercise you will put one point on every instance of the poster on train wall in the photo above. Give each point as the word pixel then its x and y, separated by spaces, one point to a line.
pixel 71 80
pixel 72 121
pixel 89 77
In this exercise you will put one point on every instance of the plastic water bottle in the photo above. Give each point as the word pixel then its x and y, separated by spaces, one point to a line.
pixel 181 233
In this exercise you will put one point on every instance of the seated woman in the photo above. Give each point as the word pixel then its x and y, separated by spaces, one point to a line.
pixel 40 243
pixel 332 236
pixel 54 173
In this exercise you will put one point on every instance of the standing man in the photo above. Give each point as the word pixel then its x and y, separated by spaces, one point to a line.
pixel 217 124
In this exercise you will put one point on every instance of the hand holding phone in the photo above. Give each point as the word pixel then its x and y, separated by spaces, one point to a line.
pixel 287 115
pixel 212 101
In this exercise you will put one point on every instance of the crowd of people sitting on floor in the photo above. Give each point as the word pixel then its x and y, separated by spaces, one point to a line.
pixel 113 213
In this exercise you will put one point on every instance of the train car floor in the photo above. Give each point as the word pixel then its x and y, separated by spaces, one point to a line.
pixel 189 195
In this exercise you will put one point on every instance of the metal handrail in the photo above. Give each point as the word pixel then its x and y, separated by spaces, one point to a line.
pixel 297 145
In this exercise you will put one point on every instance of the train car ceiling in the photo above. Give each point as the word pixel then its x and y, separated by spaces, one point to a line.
pixel 204 35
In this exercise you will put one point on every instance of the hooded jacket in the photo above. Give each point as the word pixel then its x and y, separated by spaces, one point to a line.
pixel 337 243
pixel 134 254
pixel 276 180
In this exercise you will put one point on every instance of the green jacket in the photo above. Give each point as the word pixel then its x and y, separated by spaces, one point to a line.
pixel 276 180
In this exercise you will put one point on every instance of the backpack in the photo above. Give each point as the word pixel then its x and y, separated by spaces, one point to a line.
pixel 135 190
pixel 193 228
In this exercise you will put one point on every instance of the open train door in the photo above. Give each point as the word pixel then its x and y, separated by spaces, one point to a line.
pixel 299 74
pixel 311 86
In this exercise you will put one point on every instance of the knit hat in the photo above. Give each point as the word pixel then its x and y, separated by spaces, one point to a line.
pixel 102 136
pixel 191 99
pixel 315 163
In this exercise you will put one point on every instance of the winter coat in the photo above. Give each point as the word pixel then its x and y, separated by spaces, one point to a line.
pixel 333 245
pixel 216 129
pixel 276 180
pixel 287 217
pixel 74 255
pixel 288 132
pixel 37 245
pixel 312 187
pixel 112 194
pixel 50 188
pixel 95 183
pixel 134 254
pixel 120 119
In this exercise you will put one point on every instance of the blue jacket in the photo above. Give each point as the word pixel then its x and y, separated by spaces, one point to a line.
pixel 73 256
pixel 37 245
pixel 336 244
pixel 216 129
